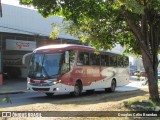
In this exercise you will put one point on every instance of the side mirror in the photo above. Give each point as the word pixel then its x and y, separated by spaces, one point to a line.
pixel 66 57
pixel 26 58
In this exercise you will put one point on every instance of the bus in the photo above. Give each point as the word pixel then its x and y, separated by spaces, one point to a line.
pixel 75 69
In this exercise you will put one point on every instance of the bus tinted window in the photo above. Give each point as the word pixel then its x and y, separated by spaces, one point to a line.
pixel 72 54
pixel 65 66
pixel 120 61
pixel 107 59
pixel 83 58
pixel 113 60
pixel 104 60
pixel 94 59
pixel 126 61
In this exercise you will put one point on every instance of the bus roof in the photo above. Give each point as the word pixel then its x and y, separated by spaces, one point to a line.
pixel 61 48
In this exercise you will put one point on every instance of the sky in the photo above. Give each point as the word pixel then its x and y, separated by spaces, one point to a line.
pixel 11 2
pixel 15 3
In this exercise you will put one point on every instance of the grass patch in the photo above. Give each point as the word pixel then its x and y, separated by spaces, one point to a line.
pixel 139 106
pixel 5 99
pixel 155 104
pixel 143 102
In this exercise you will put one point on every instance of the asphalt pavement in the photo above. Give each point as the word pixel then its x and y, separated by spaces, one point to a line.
pixel 13 86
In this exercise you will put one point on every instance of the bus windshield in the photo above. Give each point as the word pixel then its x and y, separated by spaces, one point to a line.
pixel 44 65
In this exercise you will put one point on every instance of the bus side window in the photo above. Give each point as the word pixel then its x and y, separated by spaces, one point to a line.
pixel 104 60
pixel 126 61
pixel 97 59
pixel 107 60
pixel 120 61
pixel 113 60
pixel 67 66
pixel 72 54
pixel 94 59
pixel 83 58
pixel 86 59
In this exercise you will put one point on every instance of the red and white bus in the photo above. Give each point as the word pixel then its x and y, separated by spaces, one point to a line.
pixel 75 68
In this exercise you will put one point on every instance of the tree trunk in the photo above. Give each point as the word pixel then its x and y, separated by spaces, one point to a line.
pixel 152 78
pixel 147 38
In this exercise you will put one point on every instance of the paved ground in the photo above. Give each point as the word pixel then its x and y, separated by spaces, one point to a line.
pixel 19 85
pixel 134 84
pixel 13 86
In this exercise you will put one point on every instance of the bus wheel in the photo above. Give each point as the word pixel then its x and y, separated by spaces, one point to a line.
pixel 49 94
pixel 90 91
pixel 112 88
pixel 77 90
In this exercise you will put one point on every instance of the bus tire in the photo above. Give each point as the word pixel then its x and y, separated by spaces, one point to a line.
pixel 77 89
pixel 49 94
pixel 90 91
pixel 106 89
pixel 113 86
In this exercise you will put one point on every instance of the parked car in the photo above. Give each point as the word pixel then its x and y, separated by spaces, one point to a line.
pixel 141 73
pixel 132 71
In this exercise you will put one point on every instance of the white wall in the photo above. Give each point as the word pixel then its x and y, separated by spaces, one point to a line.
pixel 18 19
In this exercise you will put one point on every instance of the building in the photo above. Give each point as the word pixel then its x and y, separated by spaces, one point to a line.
pixel 21 31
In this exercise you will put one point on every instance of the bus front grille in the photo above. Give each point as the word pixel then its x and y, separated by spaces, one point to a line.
pixel 40 89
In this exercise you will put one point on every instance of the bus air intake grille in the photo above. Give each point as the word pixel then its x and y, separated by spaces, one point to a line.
pixel 40 89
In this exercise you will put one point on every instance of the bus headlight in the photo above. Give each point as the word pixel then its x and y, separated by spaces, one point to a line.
pixel 59 81
pixel 55 89
pixel 28 81
pixel 56 82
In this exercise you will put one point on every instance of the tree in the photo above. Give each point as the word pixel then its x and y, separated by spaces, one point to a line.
pixel 104 23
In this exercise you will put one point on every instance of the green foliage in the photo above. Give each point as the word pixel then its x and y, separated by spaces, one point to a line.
pixel 132 5
pixel 102 23
pixel 6 99
pixel 56 29
pixel 27 1
pixel 98 22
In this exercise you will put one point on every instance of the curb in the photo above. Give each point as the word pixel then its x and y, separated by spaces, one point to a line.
pixel 12 92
